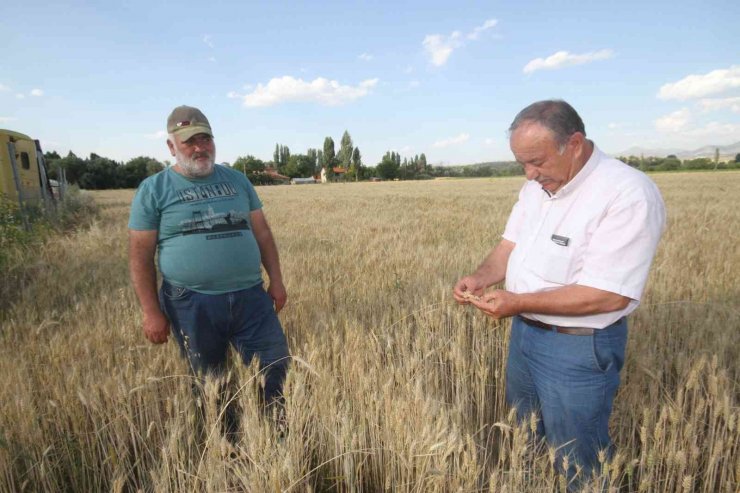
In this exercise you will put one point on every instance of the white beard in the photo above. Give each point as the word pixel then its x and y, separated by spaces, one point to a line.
pixel 194 169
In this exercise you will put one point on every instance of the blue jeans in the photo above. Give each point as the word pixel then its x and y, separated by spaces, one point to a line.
pixel 204 325
pixel 570 381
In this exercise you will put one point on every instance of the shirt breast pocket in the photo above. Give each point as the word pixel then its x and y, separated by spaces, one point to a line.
pixel 556 266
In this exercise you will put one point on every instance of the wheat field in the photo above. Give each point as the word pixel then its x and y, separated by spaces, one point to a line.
pixel 393 386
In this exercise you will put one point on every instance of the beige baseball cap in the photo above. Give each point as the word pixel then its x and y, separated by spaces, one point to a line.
pixel 186 121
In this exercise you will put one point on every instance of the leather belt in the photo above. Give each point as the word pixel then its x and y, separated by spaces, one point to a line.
pixel 573 331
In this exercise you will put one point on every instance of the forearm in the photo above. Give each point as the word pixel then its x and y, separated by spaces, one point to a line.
pixel 144 279
pixel 572 300
pixel 143 272
pixel 493 269
pixel 269 255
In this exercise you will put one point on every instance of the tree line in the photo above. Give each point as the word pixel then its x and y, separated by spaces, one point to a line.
pixel 344 164
pixel 98 172
pixel 673 163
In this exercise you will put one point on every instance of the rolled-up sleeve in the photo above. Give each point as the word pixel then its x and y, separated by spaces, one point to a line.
pixel 144 214
pixel 622 247
pixel 516 219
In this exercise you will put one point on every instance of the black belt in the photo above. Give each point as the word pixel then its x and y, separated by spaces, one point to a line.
pixel 573 331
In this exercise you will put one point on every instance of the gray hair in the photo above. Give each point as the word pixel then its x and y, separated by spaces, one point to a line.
pixel 555 115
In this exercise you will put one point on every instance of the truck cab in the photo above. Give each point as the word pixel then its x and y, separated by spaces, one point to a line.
pixel 23 177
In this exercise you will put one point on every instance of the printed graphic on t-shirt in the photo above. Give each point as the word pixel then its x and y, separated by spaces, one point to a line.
pixel 207 192
pixel 212 221
pixel 226 224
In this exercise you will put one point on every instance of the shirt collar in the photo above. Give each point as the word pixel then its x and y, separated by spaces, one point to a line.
pixel 581 176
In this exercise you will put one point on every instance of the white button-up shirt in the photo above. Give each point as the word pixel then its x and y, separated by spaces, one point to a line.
pixel 601 229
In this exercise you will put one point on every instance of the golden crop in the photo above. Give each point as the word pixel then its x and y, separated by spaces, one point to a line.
pixel 394 387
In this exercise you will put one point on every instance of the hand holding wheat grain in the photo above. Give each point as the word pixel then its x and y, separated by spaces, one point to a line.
pixel 497 304
pixel 467 295
pixel 467 289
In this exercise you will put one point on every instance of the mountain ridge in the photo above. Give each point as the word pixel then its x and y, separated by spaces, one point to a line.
pixel 707 151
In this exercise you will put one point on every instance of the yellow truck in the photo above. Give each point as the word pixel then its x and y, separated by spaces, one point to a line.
pixel 23 177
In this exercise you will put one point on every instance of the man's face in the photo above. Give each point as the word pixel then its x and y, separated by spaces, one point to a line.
pixel 196 156
pixel 544 161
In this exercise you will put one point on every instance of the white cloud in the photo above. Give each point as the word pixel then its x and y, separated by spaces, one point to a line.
pixel 414 84
pixel 408 69
pixel 614 126
pixel 439 48
pixel 675 122
pixel 563 59
pixel 365 57
pixel 320 90
pixel 699 86
pixel 212 59
pixel 7 119
pixel 207 40
pixel 460 139
pixel 20 96
pixel 37 92
pixel 3 87
pixel 161 134
pixel 714 104
pixel 484 27
pixel 489 141
pixel 679 126
pixel 234 95
pixel 714 132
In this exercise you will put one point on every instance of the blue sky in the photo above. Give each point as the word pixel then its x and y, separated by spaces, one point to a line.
pixel 443 78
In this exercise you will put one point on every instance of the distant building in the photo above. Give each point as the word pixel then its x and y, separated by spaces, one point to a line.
pixel 339 173
pixel 273 173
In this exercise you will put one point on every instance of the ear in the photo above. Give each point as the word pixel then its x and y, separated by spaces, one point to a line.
pixel 171 146
pixel 577 141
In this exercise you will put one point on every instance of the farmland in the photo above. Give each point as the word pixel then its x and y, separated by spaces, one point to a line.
pixel 393 387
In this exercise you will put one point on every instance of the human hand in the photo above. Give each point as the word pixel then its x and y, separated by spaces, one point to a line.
pixel 156 327
pixel 497 304
pixel 465 287
pixel 279 295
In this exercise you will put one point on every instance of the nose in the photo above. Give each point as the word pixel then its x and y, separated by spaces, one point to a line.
pixel 530 172
pixel 200 146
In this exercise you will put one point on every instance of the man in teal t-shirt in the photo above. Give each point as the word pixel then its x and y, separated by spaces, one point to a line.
pixel 207 224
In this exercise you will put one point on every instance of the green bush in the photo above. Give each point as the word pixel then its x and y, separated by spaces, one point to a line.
pixel 17 236
pixel 13 233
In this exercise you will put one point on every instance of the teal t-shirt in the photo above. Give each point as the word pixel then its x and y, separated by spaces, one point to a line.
pixel 205 238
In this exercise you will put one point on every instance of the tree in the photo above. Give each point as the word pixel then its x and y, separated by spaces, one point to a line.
pixel 329 157
pixel 131 174
pixel 313 155
pixel 345 150
pixel 254 169
pixel 284 156
pixel 73 166
pixel 280 157
pixel 300 165
pixel 249 165
pixel 100 173
pixel 356 166
pixel 388 167
pixel 52 164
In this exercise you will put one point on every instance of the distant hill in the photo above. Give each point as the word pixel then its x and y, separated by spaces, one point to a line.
pixel 725 152
pixel 485 165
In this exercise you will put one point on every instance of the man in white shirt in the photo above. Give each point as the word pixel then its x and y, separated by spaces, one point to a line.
pixel 575 255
